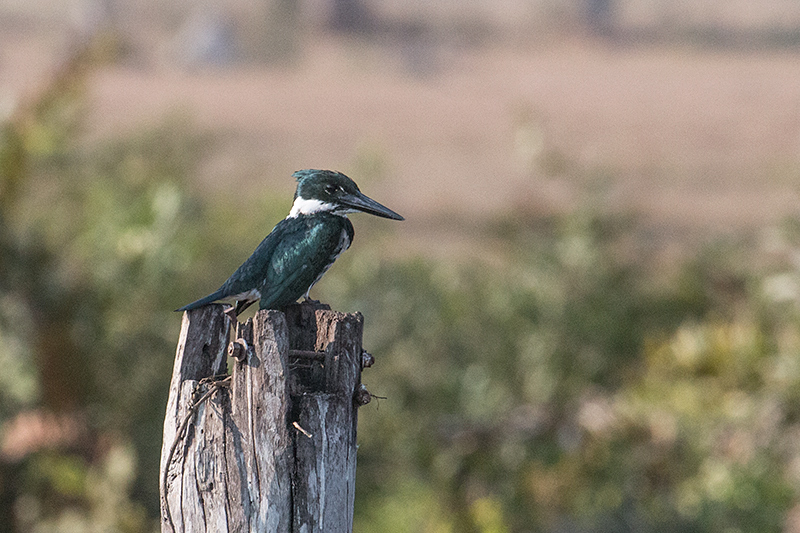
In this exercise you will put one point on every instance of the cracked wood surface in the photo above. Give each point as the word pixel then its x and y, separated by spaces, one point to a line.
pixel 276 450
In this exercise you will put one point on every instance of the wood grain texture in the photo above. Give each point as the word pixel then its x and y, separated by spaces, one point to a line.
pixel 201 353
pixel 273 451
pixel 322 397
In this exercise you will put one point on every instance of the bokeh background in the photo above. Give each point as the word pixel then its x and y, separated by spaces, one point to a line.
pixel 587 323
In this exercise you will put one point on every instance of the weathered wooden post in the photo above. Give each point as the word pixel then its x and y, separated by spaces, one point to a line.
pixel 272 447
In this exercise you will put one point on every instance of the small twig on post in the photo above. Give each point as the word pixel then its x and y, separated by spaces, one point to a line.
pixel 307 354
pixel 301 430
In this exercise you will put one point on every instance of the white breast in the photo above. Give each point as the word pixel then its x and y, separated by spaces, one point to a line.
pixel 344 244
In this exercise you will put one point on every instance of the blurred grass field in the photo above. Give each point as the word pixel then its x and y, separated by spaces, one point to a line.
pixel 589 322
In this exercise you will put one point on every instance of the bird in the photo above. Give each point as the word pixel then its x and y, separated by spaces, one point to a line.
pixel 300 248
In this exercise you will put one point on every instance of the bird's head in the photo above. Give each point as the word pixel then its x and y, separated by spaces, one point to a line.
pixel 326 190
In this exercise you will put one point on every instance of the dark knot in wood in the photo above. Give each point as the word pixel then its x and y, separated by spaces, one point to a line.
pixel 238 349
pixel 367 359
pixel 362 396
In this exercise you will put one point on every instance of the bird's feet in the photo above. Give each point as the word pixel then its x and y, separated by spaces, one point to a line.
pixel 309 301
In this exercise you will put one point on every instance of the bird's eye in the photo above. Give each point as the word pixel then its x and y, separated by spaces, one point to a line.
pixel 331 189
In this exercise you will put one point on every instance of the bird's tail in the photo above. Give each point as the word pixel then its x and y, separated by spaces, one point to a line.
pixel 213 297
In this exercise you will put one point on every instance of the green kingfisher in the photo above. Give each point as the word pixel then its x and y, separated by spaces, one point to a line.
pixel 301 247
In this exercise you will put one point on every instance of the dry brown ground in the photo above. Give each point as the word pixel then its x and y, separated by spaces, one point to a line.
pixel 691 138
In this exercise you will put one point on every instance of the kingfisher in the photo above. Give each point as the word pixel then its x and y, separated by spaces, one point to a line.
pixel 300 248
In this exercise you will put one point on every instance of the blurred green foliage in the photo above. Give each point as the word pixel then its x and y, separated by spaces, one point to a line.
pixel 96 239
pixel 570 391
pixel 563 383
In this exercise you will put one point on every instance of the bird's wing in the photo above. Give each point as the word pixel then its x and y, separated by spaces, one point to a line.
pixel 299 257
pixel 286 262
pixel 250 274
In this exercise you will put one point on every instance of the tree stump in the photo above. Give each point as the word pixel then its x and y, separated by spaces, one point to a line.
pixel 272 447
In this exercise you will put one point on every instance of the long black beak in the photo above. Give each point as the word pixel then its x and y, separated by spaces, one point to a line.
pixel 362 202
